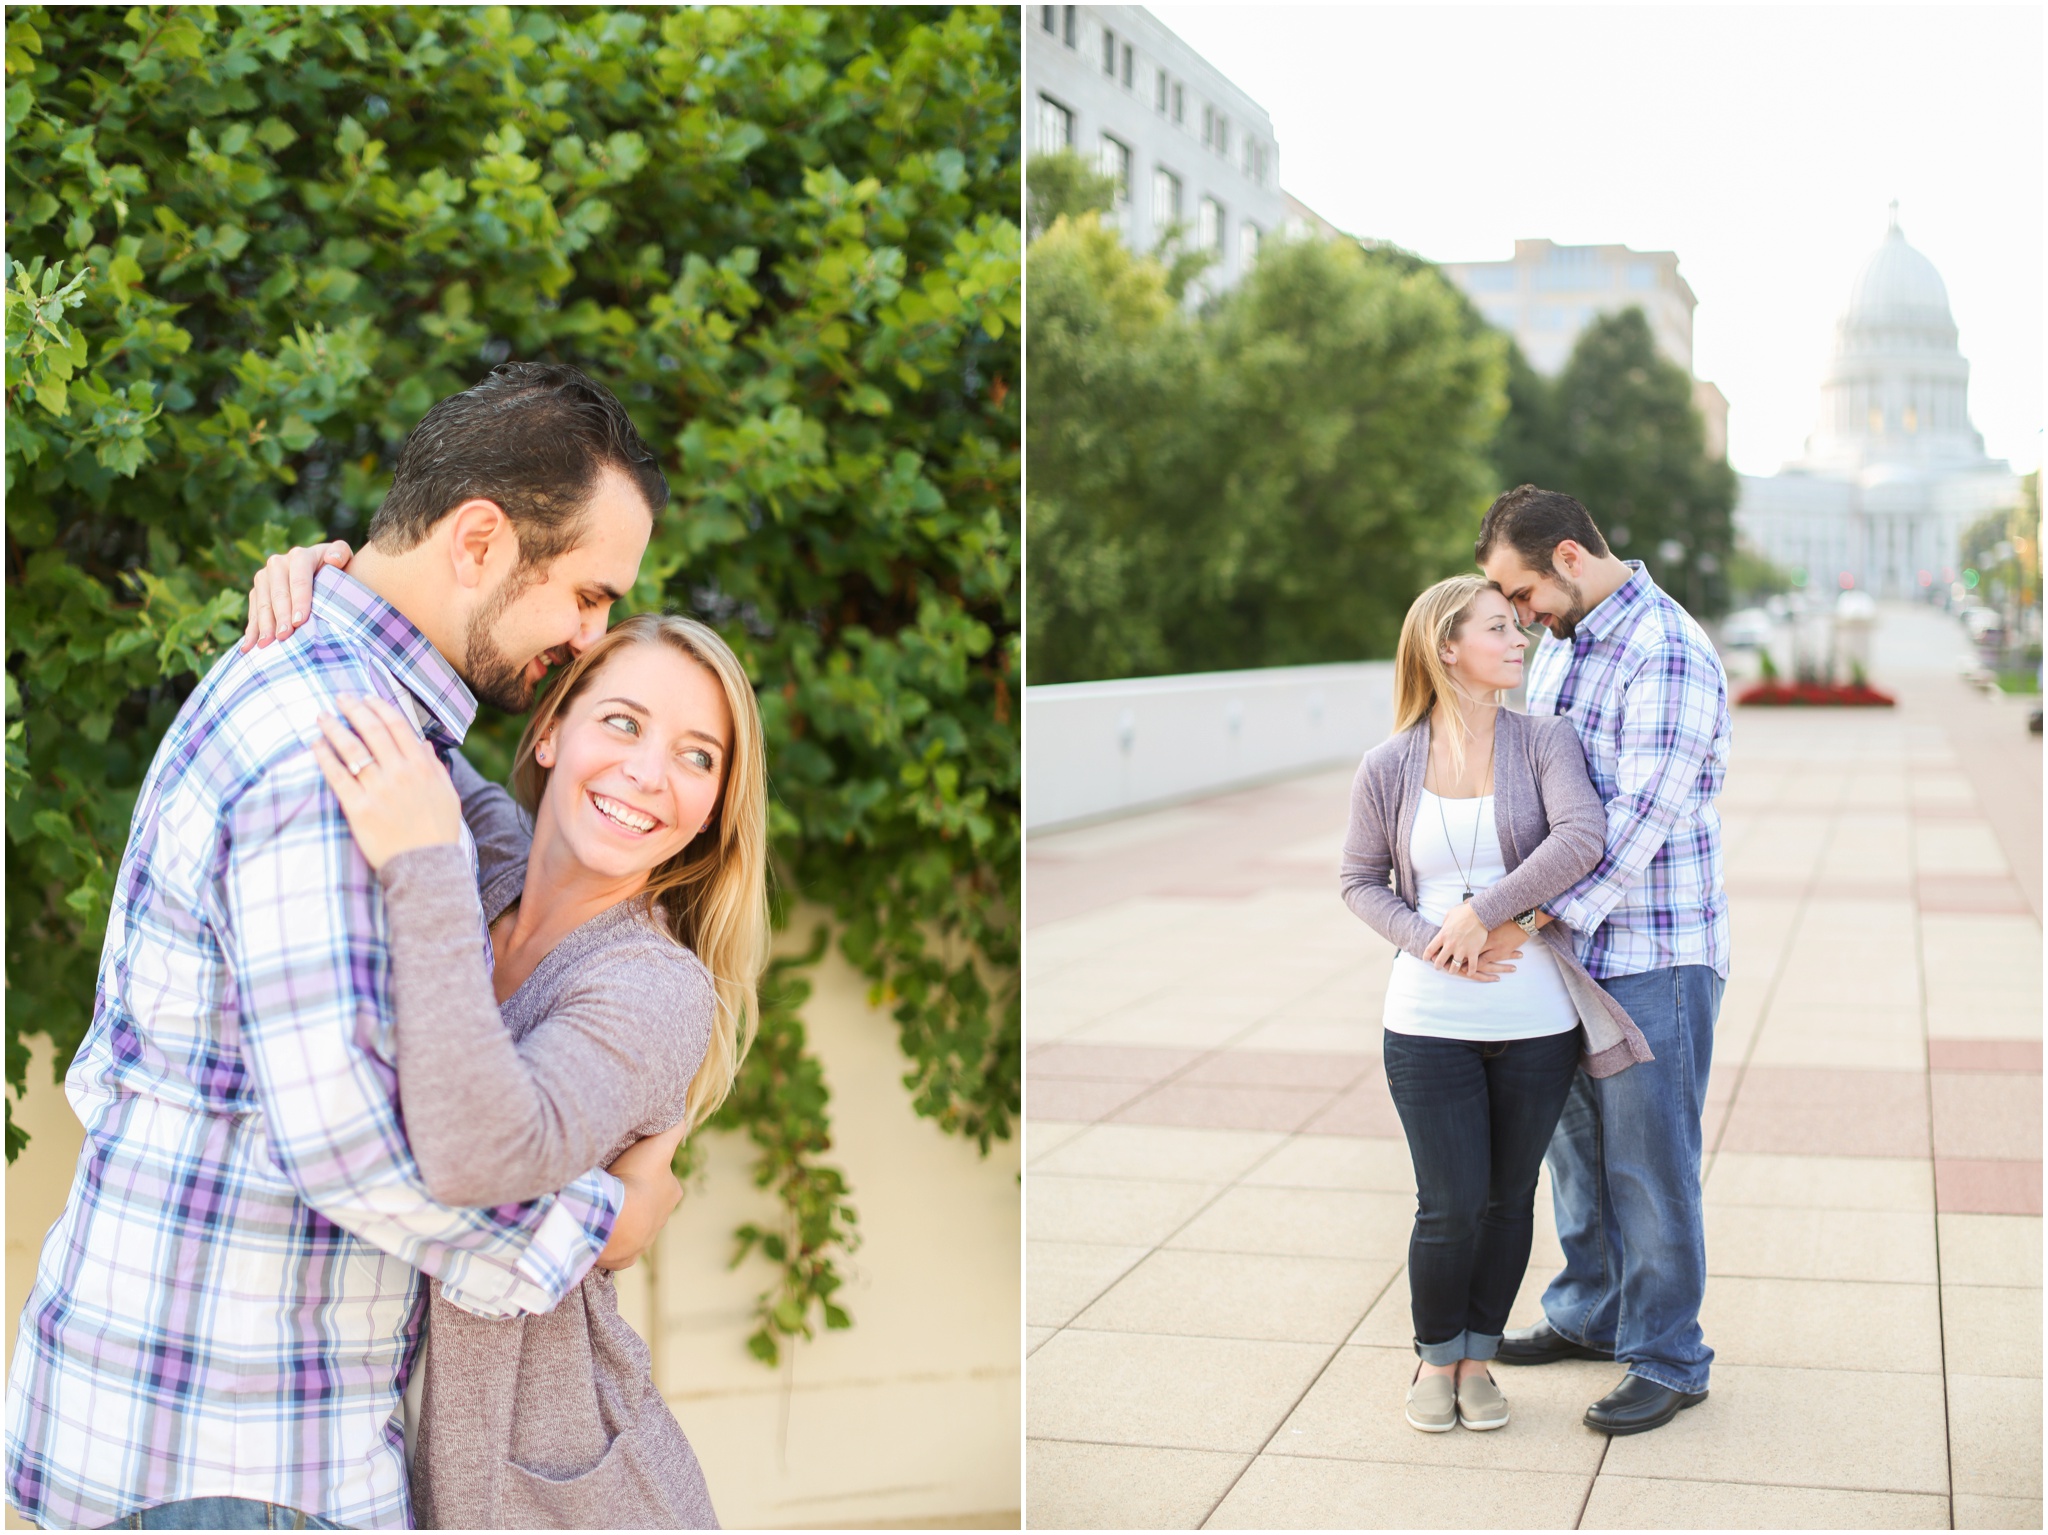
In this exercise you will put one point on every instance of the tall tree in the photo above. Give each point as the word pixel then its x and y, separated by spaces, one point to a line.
pixel 1347 409
pixel 1267 483
pixel 1113 376
pixel 1618 430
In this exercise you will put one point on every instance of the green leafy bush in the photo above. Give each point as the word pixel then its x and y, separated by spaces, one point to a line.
pixel 248 247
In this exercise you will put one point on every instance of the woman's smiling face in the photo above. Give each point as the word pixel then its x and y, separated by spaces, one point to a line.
pixel 636 760
pixel 1485 654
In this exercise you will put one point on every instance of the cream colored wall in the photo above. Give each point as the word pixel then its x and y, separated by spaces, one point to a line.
pixel 910 1418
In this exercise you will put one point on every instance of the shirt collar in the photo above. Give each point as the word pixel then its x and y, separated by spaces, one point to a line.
pixel 1614 610
pixel 357 613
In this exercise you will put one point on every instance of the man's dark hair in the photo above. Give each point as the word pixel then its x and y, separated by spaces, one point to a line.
pixel 1533 523
pixel 533 437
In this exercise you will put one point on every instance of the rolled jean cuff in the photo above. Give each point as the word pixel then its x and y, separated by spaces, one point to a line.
pixel 1481 1345
pixel 1449 1352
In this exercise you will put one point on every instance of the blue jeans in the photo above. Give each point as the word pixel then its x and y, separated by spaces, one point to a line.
pixel 222 1514
pixel 1478 1115
pixel 1625 1180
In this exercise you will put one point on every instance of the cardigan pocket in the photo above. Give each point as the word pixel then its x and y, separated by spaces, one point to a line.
pixel 613 1490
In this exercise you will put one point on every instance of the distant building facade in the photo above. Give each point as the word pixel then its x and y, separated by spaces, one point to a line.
pixel 1184 145
pixel 1893 471
pixel 1549 293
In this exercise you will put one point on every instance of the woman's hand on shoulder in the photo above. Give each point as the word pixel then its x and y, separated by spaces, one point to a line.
pixel 393 789
pixel 281 596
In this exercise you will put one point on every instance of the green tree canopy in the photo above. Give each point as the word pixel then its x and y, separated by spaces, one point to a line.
pixel 250 246
pixel 1266 483
pixel 1618 429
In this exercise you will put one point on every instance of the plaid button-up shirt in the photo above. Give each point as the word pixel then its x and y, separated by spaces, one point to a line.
pixel 231 1301
pixel 1643 686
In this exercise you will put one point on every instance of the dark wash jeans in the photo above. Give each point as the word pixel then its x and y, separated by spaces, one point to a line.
pixel 222 1514
pixel 1625 1178
pixel 1478 1115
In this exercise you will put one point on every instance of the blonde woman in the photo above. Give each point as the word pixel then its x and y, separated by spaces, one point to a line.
pixel 1463 824
pixel 628 924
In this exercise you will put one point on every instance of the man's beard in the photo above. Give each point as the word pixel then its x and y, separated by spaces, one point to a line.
pixel 493 676
pixel 1566 624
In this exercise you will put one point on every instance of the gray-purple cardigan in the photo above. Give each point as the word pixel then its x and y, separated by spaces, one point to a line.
pixel 1551 824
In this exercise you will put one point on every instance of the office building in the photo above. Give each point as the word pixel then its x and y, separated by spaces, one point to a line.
pixel 1549 293
pixel 1187 149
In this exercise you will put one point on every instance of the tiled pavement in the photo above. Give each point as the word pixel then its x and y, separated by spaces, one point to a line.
pixel 1219 1200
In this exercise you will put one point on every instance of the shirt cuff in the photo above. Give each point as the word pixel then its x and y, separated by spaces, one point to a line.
pixel 554 1261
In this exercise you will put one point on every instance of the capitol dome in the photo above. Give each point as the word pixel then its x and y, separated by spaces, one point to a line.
pixel 1897 387
pixel 1894 471
pixel 1898 284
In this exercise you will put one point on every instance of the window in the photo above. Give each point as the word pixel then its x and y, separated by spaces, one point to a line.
pixel 1114 161
pixel 1208 127
pixel 1161 103
pixel 1877 421
pixel 1055 126
pixel 1165 200
pixel 1180 104
pixel 1570 267
pixel 1247 245
pixel 1127 66
pixel 1223 135
pixel 1049 18
pixel 1501 316
pixel 1108 52
pixel 1642 275
pixel 1255 161
pixel 1067 26
pixel 1490 279
pixel 1911 421
pixel 1209 232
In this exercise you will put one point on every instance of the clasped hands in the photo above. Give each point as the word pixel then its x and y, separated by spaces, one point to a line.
pixel 1465 948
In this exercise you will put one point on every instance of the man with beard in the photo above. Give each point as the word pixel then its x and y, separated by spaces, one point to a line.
pixel 1641 683
pixel 225 1315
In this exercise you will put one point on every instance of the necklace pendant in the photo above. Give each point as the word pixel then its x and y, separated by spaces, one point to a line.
pixel 1466 896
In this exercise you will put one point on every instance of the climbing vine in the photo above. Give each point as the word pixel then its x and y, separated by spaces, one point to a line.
pixel 247 247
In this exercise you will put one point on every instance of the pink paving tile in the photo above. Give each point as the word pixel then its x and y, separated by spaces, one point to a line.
pixel 1106 1063
pixel 1210 1107
pixel 1971 893
pixel 1984 1055
pixel 1981 1114
pixel 1283 1068
pixel 1075 1101
pixel 1802 1110
pixel 1366 1109
pixel 1986 1188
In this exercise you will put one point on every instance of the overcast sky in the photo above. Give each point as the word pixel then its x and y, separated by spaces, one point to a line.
pixel 1761 144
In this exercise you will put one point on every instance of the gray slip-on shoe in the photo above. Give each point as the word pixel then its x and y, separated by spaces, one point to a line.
pixel 1433 1403
pixel 1480 1403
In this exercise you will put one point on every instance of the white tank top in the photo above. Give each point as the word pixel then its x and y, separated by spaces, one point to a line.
pixel 1422 999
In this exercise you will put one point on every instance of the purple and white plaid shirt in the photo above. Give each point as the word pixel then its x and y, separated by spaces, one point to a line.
pixel 1643 686
pixel 230 1304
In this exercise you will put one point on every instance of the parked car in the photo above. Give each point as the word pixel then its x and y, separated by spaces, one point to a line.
pixel 1980 621
pixel 1746 629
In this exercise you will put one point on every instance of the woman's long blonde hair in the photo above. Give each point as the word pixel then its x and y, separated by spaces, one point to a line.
pixel 713 895
pixel 1421 680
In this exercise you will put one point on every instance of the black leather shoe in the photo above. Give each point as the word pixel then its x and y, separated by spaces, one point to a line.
pixel 1544 1344
pixel 1636 1406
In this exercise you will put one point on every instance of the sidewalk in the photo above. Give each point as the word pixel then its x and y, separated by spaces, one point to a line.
pixel 1219 1199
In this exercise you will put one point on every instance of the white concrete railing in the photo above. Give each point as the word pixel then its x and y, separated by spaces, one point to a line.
pixel 1095 749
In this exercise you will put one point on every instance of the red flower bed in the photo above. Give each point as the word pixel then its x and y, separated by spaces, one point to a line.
pixel 1815 694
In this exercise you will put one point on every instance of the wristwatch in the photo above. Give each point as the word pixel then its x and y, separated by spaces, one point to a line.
pixel 1526 921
